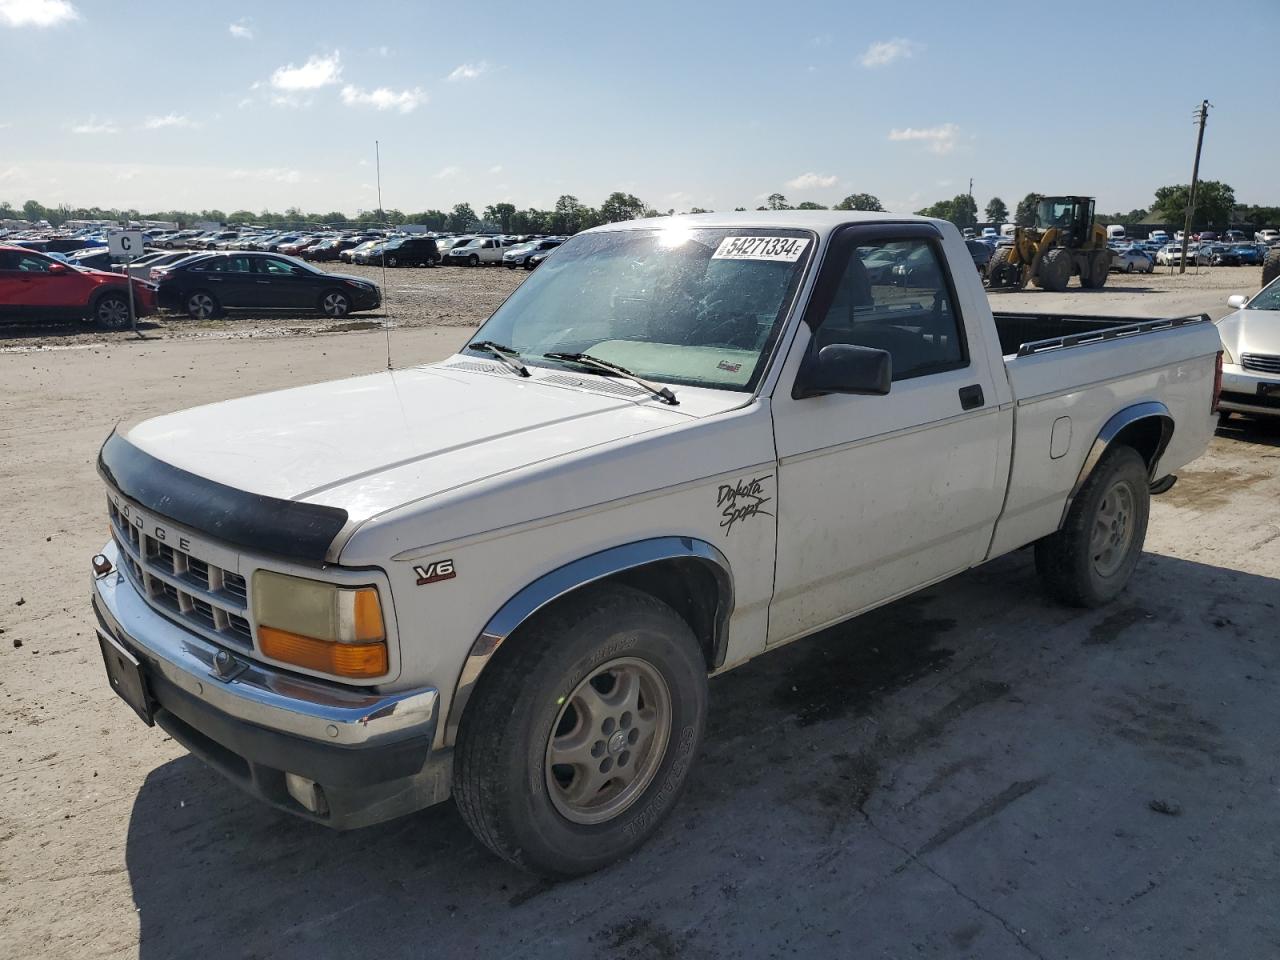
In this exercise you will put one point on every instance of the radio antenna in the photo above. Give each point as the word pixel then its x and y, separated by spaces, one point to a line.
pixel 386 292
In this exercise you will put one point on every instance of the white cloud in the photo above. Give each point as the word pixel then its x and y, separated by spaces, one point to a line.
pixel 168 120
pixel 241 30
pixel 448 172
pixel 5 126
pixel 126 175
pixel 36 13
pixel 811 181
pixel 11 173
pixel 94 126
pixel 884 52
pixel 467 71
pixel 317 72
pixel 496 168
pixel 940 139
pixel 267 175
pixel 384 98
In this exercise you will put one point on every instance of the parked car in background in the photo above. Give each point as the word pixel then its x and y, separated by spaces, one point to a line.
pixel 1158 237
pixel 1132 260
pixel 93 258
pixel 1267 236
pixel 330 249
pixel 1234 236
pixel 35 285
pixel 1171 255
pixel 370 254
pixel 1249 254
pixel 1222 255
pixel 477 252
pixel 1251 353
pixel 349 255
pixel 412 251
pixel 534 260
pixel 205 286
pixel 516 256
pixel 981 253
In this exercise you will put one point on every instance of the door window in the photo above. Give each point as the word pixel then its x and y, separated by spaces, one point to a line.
pixel 230 265
pixel 278 268
pixel 895 296
pixel 24 262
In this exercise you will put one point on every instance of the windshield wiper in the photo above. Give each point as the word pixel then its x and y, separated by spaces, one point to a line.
pixel 509 357
pixel 585 359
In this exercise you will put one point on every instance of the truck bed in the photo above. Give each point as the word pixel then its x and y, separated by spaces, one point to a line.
pixel 1024 334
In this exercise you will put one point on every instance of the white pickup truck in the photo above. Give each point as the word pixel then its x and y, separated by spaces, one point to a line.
pixel 681 443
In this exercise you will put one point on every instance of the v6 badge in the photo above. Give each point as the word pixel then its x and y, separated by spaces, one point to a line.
pixel 435 571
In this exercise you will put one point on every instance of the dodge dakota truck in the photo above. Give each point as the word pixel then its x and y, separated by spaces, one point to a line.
pixel 506 577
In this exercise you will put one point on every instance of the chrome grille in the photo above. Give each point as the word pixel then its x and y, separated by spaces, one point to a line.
pixel 1262 362
pixel 202 597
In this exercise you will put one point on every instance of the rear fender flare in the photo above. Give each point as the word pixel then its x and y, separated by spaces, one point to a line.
pixel 1151 412
pixel 579 573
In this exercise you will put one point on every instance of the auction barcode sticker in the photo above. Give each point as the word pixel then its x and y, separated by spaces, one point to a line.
pixel 786 249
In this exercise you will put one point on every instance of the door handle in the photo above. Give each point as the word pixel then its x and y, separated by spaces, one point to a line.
pixel 971 396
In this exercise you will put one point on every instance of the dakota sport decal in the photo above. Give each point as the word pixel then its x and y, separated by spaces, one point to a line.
pixel 741 500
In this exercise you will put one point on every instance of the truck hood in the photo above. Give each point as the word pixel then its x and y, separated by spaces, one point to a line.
pixel 372 443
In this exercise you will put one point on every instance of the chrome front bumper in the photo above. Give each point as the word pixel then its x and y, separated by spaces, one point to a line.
pixel 248 691
pixel 1240 390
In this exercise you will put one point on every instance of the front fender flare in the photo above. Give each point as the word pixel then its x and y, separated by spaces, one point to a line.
pixel 564 580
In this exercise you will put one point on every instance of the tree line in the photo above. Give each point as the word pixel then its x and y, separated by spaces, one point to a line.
pixel 1215 208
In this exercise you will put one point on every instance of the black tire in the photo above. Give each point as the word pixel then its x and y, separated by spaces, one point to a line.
pixel 506 786
pixel 392 262
pixel 999 270
pixel 202 305
pixel 1068 560
pixel 335 303
pixel 1099 270
pixel 111 311
pixel 473 261
pixel 1128 267
pixel 1054 272
pixel 1271 266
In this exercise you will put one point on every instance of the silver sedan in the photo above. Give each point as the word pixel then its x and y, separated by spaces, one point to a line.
pixel 1251 353
pixel 1131 260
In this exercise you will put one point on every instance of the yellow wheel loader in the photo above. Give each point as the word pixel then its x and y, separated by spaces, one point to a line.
pixel 1064 241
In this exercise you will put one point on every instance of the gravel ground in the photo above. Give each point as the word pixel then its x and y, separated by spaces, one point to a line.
pixel 971 772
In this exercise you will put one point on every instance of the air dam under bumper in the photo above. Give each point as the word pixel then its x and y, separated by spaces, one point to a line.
pixel 370 754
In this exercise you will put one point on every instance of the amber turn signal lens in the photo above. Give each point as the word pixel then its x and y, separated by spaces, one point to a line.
pixel 356 660
pixel 368 616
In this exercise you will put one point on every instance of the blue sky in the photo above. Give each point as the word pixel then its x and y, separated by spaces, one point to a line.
pixel 715 104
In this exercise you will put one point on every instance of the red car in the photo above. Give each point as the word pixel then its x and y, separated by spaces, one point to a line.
pixel 33 286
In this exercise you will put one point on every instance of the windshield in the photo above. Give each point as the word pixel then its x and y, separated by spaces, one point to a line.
pixel 701 307
pixel 1268 298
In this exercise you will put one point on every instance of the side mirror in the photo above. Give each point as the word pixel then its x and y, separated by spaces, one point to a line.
pixel 845 368
pixel 57 269
pixel 1237 300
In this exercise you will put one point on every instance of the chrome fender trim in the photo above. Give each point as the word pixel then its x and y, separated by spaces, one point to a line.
pixel 579 573
pixel 1149 410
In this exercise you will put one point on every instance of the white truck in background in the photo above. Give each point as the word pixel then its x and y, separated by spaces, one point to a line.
pixel 680 444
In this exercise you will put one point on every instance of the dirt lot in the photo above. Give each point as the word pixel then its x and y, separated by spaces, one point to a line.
pixel 972 772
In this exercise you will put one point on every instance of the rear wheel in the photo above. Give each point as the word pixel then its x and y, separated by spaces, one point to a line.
pixel 1000 272
pixel 111 312
pixel 1090 559
pixel 1099 270
pixel 392 262
pixel 581 733
pixel 335 303
pixel 201 305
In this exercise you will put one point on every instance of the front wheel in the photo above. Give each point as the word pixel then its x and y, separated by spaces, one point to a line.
pixel 335 303
pixel 392 262
pixel 473 261
pixel 111 312
pixel 581 733
pixel 1090 559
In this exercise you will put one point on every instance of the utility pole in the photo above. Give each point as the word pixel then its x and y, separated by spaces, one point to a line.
pixel 1202 115
pixel 971 203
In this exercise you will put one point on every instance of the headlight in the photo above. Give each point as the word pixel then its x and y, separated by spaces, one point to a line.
pixel 320 626
pixel 1226 355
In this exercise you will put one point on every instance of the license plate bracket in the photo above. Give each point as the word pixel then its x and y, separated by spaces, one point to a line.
pixel 1269 389
pixel 124 670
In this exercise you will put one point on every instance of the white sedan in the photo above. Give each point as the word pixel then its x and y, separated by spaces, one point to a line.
pixel 1132 260
pixel 1251 353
